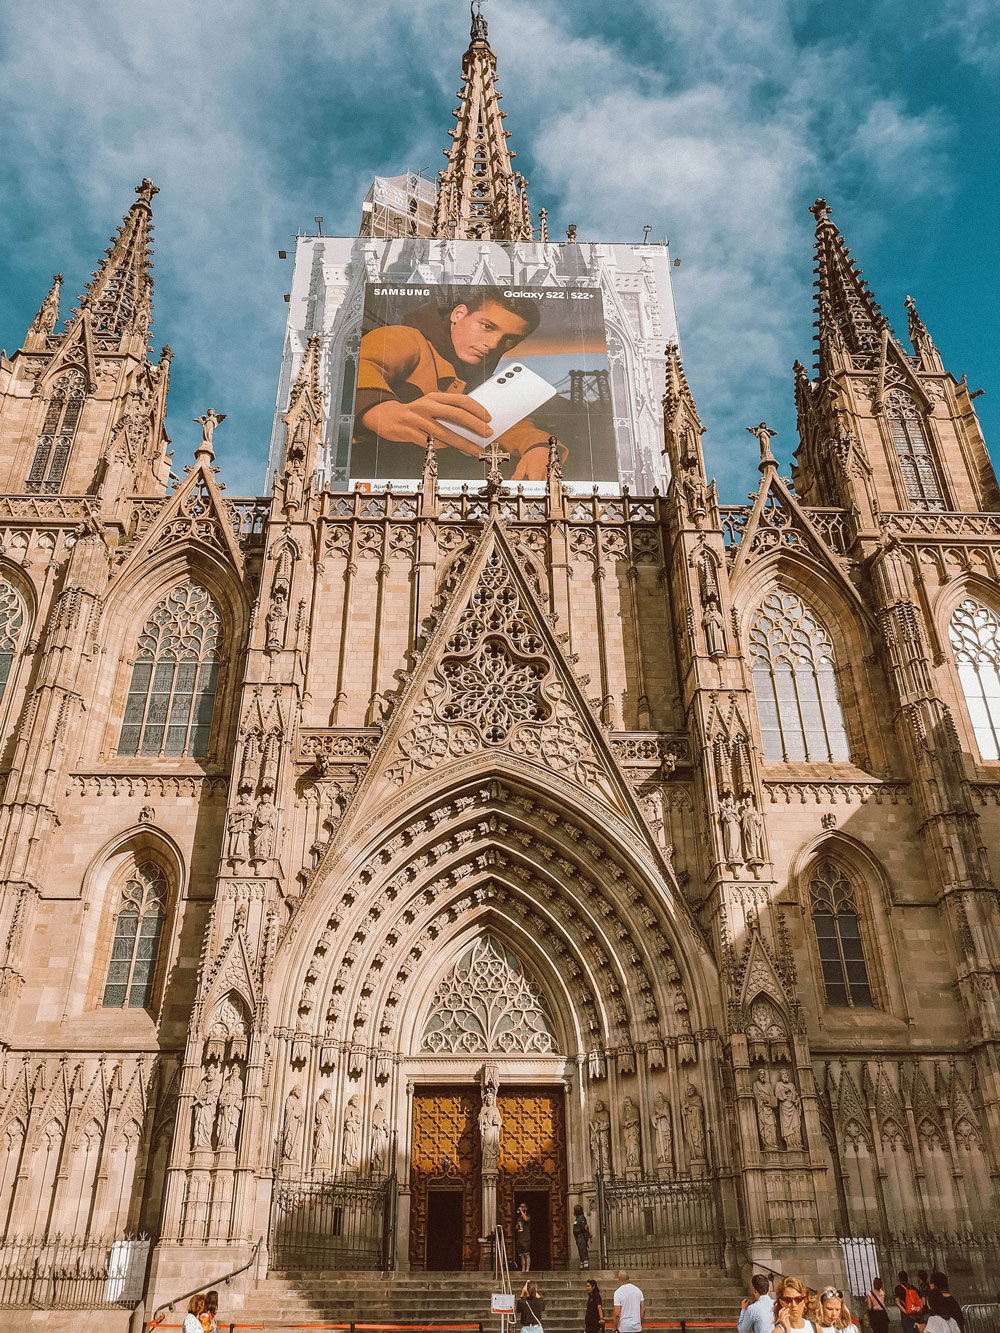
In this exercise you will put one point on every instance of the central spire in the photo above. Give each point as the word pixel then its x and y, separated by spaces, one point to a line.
pixel 479 193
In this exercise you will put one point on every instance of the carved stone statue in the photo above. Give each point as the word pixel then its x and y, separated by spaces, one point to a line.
pixel 227 1123
pixel 380 1140
pixel 789 1110
pixel 322 1143
pixel 633 1138
pixel 291 1127
pixel 751 830
pixel 600 1139
pixel 663 1134
pixel 767 1111
pixel 277 618
pixel 206 1100
pixel 240 826
pixel 265 823
pixel 714 625
pixel 693 1114
pixel 490 1125
pixel 208 423
pixel 351 1151
pixel 595 1063
pixel 732 834
pixel 694 491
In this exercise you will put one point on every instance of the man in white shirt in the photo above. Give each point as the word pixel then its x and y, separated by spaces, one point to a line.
pixel 757 1316
pixel 630 1306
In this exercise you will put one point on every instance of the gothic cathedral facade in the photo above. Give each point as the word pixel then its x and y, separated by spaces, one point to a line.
pixel 501 843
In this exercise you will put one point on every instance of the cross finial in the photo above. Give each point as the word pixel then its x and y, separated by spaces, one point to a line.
pixel 494 456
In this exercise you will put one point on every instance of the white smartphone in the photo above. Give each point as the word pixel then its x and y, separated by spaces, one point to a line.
pixel 509 395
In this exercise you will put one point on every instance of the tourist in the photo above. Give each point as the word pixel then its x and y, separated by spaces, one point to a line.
pixel 522 1238
pixel 530 1307
pixel 923 1285
pixel 834 1315
pixel 942 1303
pixel 581 1234
pixel 757 1314
pixel 793 1307
pixel 630 1306
pixel 908 1301
pixel 878 1315
pixel 210 1314
pixel 593 1319
pixel 192 1320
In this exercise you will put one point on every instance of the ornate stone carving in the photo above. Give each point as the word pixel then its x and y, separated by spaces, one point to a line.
pixel 766 1105
pixel 291 1127
pixel 227 1124
pixel 206 1101
pixel 600 1139
pixel 632 1134
pixel 490 1125
pixel 380 1140
pixel 322 1143
pixel 693 1115
pixel 789 1110
pixel 487 1003
pixel 350 1152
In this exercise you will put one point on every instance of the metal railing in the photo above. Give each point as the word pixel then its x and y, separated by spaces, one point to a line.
pixel 334 1220
pixel 66 1273
pixel 161 1311
pixel 650 1222
pixel 501 1277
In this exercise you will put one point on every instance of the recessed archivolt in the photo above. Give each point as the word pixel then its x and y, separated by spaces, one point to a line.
pixel 602 934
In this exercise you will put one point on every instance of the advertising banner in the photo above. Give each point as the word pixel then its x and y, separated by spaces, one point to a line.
pixel 476 343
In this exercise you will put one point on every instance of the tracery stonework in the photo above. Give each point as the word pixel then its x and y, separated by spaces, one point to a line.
pixel 487 1004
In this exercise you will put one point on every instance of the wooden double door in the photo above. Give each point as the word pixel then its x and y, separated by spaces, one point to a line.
pixel 446 1185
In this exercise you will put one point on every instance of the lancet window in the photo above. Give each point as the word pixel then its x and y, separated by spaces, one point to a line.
pixel 913 449
pixel 136 942
pixel 838 933
pixel 172 691
pixel 62 416
pixel 975 637
pixel 798 702
pixel 12 620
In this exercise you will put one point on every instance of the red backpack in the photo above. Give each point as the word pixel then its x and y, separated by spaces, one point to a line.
pixel 912 1302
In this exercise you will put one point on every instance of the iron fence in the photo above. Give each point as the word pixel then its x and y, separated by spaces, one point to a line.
pixel 653 1221
pixel 334 1220
pixel 65 1273
pixel 971 1259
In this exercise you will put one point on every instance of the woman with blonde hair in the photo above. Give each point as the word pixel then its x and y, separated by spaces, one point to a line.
pixel 834 1315
pixel 192 1320
pixel 794 1307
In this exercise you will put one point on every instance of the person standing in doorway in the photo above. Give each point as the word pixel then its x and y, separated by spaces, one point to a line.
pixel 530 1308
pixel 630 1306
pixel 878 1315
pixel 581 1234
pixel 522 1238
pixel 593 1319
pixel 757 1314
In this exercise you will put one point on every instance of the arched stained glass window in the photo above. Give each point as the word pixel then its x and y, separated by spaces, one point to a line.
pixel 975 636
pixel 136 942
pixel 11 630
pixel 62 416
pixel 913 449
pixel 793 678
pixel 838 934
pixel 172 692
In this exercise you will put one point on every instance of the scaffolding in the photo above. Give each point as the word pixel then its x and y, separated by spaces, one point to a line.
pixel 399 206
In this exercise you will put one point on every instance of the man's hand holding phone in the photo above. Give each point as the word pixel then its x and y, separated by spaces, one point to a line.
pixel 411 423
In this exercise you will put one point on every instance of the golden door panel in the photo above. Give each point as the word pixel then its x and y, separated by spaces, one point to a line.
pixel 445 1166
pixel 533 1163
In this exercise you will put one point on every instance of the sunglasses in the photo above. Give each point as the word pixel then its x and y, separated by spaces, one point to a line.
pixel 831 1294
pixel 792 1300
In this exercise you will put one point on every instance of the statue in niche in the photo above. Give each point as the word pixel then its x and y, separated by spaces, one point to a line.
pixel 490 1125
pixel 351 1151
pixel 789 1110
pixel 227 1124
pixel 291 1126
pixel 380 1140
pixel 277 618
pixel 633 1138
pixel 600 1139
pixel 322 1143
pixel 240 827
pixel 714 625
pixel 732 833
pixel 595 1063
pixel 265 822
pixel 693 1114
pixel 206 1101
pixel 694 490
pixel 751 830
pixel 663 1134
pixel 766 1104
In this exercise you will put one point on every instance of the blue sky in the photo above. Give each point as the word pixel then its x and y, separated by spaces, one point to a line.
pixel 717 123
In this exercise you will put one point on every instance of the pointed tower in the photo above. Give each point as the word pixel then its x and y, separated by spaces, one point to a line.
pixel 881 429
pixel 82 410
pixel 479 193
